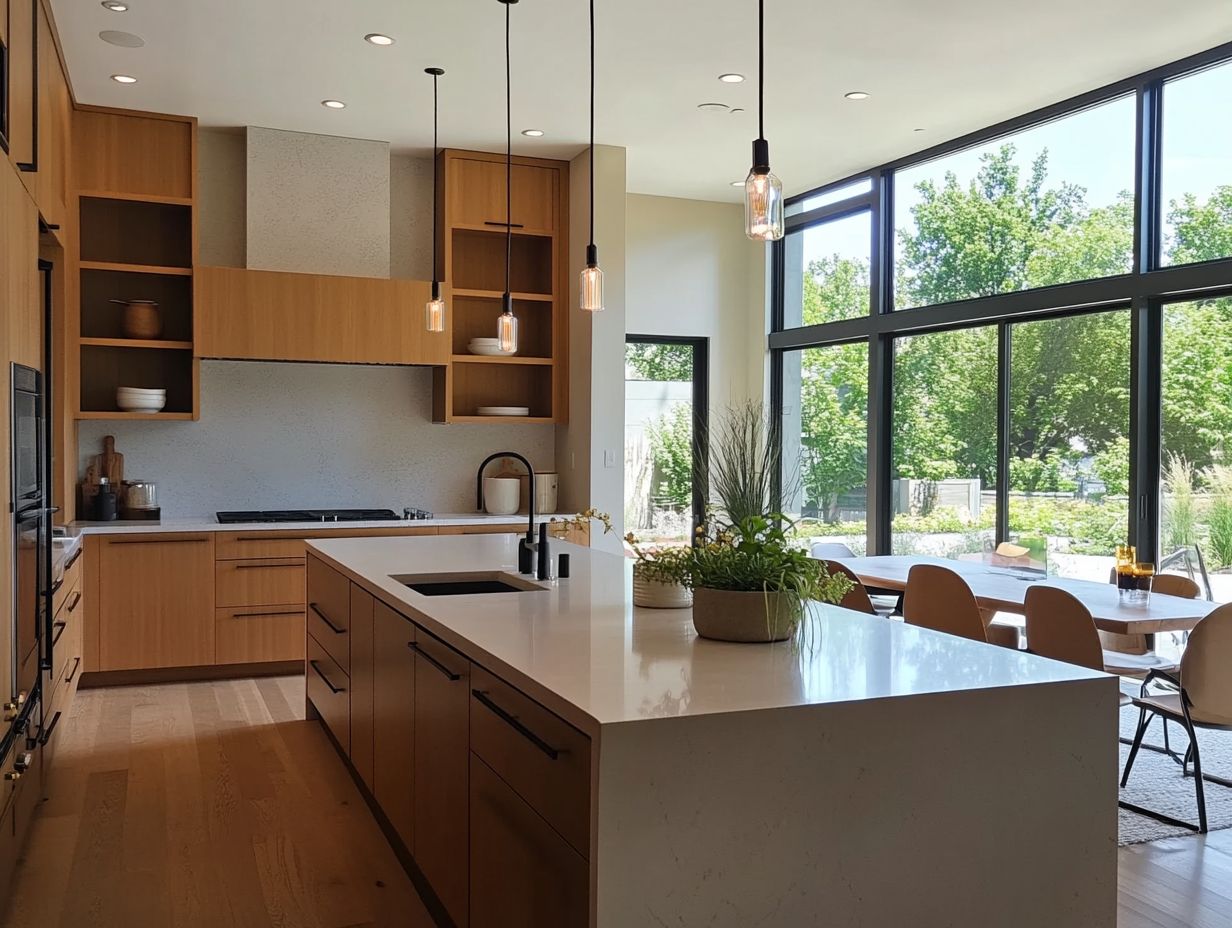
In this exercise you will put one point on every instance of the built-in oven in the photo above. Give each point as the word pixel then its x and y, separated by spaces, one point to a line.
pixel 30 604
pixel 27 438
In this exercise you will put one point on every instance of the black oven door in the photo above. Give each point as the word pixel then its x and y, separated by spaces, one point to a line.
pixel 27 438
pixel 30 583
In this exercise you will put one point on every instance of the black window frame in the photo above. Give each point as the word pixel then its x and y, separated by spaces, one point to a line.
pixel 1145 289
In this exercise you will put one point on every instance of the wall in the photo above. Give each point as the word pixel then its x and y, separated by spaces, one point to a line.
pixel 410 217
pixel 691 271
pixel 323 435
pixel 222 185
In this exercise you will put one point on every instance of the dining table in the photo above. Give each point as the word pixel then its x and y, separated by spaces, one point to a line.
pixel 1005 590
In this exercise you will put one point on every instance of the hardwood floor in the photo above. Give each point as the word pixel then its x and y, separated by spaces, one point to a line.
pixel 205 804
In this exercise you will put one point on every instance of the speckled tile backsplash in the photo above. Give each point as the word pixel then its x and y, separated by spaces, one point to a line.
pixel 325 435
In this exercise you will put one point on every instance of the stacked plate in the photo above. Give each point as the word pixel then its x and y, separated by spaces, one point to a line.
pixel 488 346
pixel 503 411
pixel 138 399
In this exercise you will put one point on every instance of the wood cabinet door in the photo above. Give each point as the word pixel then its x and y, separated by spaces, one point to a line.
pixel 53 117
pixel 156 601
pixel 393 719
pixel 362 683
pixel 523 874
pixel 23 81
pixel 477 195
pixel 442 749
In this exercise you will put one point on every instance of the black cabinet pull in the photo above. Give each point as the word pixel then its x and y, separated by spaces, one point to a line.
pixel 264 615
pixel 513 722
pixel 267 566
pixel 73 560
pixel 73 672
pixel 414 646
pixel 324 618
pixel 46 736
pixel 332 688
pixel 72 603
pixel 504 225
pixel 59 630
pixel 159 541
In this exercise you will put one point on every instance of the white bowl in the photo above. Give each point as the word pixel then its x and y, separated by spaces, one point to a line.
pixel 503 410
pixel 484 341
pixel 143 394
pixel 130 406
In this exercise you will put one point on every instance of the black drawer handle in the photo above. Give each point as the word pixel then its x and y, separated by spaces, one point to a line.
pixel 414 646
pixel 59 630
pixel 160 541
pixel 504 225
pixel 55 720
pixel 267 566
pixel 55 587
pixel 73 560
pixel 73 672
pixel 262 538
pixel 332 688
pixel 324 618
pixel 264 615
pixel 512 721
pixel 72 603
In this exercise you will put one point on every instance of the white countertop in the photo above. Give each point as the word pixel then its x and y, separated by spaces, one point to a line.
pixel 582 648
pixel 211 524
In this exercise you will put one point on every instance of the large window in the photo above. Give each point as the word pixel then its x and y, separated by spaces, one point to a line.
pixel 1049 205
pixel 1069 441
pixel 1051 388
pixel 825 442
pixel 1196 503
pixel 828 271
pixel 943 489
pixel 1197 166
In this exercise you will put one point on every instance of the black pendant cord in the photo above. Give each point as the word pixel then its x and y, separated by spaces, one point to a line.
pixel 592 128
pixel 508 165
pixel 436 283
pixel 761 69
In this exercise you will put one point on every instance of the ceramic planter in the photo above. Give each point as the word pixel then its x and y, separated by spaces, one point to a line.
pixel 735 615
pixel 655 594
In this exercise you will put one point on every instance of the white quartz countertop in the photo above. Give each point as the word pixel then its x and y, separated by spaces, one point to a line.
pixel 583 649
pixel 211 524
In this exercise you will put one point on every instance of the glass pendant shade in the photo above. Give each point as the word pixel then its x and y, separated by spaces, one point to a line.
pixel 590 283
pixel 507 331
pixel 763 206
pixel 434 315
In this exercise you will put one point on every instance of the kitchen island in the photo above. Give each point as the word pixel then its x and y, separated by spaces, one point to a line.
pixel 555 756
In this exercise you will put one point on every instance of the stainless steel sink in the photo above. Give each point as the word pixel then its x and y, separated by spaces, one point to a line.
pixel 469 583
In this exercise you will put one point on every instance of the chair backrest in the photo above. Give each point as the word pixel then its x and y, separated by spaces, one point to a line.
pixel 940 599
pixel 1204 666
pixel 857 598
pixel 824 550
pixel 1061 627
pixel 1175 585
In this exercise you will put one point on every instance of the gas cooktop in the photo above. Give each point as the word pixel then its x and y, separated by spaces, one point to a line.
pixel 320 515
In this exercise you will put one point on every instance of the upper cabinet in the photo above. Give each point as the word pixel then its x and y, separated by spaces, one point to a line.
pixel 278 316
pixel 21 101
pixel 55 115
pixel 144 155
pixel 473 239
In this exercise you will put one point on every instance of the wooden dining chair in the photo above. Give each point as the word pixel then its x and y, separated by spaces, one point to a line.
pixel 857 597
pixel 1201 699
pixel 823 550
pixel 1175 585
pixel 938 598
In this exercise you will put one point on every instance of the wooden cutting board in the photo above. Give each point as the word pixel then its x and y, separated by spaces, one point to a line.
pixel 110 463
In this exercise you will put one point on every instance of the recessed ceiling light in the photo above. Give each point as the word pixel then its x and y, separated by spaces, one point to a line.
pixel 122 39
pixel 334 104
pixel 115 6
pixel 375 38
pixel 533 133
pixel 713 107
pixel 124 78
pixel 731 78
pixel 737 109
pixel 856 95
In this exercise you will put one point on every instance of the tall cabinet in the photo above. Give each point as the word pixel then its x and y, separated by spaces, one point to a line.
pixel 471 247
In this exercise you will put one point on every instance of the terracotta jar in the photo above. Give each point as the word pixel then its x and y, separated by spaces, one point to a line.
pixel 141 319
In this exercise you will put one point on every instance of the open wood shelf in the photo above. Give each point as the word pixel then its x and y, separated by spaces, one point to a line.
pixel 503 420
pixel 137 343
pixel 135 197
pixel 497 294
pixel 120 414
pixel 160 269
pixel 499 359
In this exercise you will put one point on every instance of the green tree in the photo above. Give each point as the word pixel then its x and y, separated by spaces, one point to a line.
pixel 658 362
pixel 670 439
pixel 1202 231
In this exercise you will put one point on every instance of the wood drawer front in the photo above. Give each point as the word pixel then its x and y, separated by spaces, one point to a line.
pixel 329 611
pixel 329 689
pixel 545 759
pixel 266 582
pixel 240 545
pixel 8 841
pixel 252 634
pixel 66 652
pixel 72 581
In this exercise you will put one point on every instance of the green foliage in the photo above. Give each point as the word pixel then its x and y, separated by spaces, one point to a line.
pixel 1202 231
pixel 1112 466
pixel 1180 511
pixel 670 438
pixel 1219 517
pixel 658 362
pixel 745 460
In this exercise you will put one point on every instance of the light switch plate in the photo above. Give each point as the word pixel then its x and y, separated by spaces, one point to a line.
pixel 609 457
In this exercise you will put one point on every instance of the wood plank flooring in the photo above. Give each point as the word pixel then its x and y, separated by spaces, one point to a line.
pixel 205 804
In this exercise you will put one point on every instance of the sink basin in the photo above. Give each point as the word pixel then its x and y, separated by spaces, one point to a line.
pixel 467 584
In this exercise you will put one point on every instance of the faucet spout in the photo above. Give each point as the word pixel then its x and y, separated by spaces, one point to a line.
pixel 529 542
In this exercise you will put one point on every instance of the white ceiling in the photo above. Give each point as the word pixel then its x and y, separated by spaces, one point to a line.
pixel 946 66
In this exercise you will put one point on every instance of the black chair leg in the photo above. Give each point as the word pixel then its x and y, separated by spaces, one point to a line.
pixel 1198 780
pixel 1133 751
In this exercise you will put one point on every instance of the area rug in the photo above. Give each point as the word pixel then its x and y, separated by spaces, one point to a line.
pixel 1156 782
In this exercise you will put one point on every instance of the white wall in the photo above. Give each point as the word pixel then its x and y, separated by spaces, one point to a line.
pixel 277 436
pixel 691 271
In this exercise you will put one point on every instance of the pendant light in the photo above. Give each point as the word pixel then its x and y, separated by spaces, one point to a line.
pixel 590 283
pixel 507 322
pixel 434 312
pixel 763 192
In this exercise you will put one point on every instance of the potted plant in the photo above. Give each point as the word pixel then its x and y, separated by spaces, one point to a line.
pixel 660 576
pixel 750 584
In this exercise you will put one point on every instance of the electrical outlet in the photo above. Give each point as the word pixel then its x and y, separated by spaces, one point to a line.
pixel 609 457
